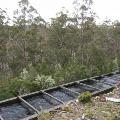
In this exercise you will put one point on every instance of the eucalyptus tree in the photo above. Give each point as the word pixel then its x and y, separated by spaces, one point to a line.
pixel 85 22
pixel 116 41
pixel 4 37
pixel 63 36
pixel 25 35
pixel 23 19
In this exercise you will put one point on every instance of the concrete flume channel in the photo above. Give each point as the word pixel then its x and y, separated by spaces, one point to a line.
pixel 29 106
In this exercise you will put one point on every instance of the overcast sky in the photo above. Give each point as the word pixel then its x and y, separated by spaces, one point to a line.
pixel 49 8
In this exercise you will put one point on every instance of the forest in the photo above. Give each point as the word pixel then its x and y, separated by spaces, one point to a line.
pixel 35 54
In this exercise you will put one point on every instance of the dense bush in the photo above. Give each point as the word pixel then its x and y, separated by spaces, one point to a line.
pixel 72 71
pixel 24 84
pixel 5 93
pixel 85 97
pixel 43 81
pixel 61 51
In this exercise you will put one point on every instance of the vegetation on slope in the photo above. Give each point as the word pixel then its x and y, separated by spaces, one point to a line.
pixel 35 55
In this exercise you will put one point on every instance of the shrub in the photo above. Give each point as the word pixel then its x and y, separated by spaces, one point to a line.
pixel 44 68
pixel 59 74
pixel 73 71
pixel 5 93
pixel 24 75
pixel 44 81
pixel 85 97
pixel 18 86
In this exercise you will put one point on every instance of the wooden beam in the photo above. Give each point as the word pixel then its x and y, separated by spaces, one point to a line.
pixel 104 82
pixel 1 118
pixel 77 93
pixel 89 86
pixel 29 105
pixel 52 97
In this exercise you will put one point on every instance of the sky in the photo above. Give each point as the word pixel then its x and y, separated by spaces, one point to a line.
pixel 48 8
